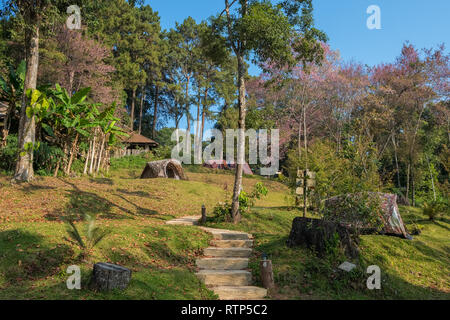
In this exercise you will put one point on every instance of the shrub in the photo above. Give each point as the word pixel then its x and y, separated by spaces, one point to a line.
pixel 434 210
pixel 222 211
pixel 336 173
pixel 8 154
pixel 361 210
pixel 93 235
pixel 46 158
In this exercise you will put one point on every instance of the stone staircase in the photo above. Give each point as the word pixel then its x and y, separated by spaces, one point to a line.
pixel 224 267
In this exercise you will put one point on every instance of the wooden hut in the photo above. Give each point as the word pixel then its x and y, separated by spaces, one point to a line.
pixel 136 144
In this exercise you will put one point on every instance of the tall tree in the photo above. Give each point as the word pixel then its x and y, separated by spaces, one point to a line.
pixel 265 31
pixel 32 13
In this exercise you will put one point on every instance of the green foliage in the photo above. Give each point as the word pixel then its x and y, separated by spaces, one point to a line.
pixel 91 237
pixel 8 154
pixel 139 161
pixel 435 209
pixel 46 158
pixel 335 173
pixel 360 210
pixel 247 201
pixel 11 86
pixel 222 212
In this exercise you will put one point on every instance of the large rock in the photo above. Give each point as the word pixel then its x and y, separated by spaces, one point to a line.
pixel 108 276
pixel 318 234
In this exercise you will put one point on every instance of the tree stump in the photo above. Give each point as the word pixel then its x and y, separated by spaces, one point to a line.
pixel 318 234
pixel 108 277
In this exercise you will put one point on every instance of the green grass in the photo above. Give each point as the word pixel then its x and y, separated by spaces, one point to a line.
pixel 34 254
pixel 417 269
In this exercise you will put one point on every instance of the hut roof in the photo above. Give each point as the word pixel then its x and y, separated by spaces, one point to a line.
pixel 139 139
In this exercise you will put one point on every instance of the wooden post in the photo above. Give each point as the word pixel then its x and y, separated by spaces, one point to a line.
pixel 267 274
pixel 203 214
pixel 305 195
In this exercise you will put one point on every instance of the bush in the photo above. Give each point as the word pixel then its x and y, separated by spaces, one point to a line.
pixel 46 159
pixel 8 154
pixel 336 174
pixel 435 209
pixel 361 210
pixel 93 235
pixel 222 211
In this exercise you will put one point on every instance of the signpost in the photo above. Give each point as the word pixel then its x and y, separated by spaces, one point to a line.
pixel 306 181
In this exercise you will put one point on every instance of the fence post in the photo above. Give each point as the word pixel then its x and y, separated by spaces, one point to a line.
pixel 203 214
pixel 267 273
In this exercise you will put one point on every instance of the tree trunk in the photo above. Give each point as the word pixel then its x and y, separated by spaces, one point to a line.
pixel 72 152
pixel 141 111
pixel 188 116
pixel 100 154
pixel 27 126
pixel 155 112
pixel 92 155
pixel 235 212
pixel 57 169
pixel 305 138
pixel 205 106
pixel 396 162
pixel 86 163
pixel 432 179
pixel 408 179
pixel 413 186
pixel 133 100
pixel 197 150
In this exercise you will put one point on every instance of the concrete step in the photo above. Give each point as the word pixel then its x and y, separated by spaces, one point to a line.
pixel 230 236
pixel 240 293
pixel 232 243
pixel 228 252
pixel 185 221
pixel 219 234
pixel 222 263
pixel 225 277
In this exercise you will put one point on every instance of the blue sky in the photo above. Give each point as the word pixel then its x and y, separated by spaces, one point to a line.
pixel 425 24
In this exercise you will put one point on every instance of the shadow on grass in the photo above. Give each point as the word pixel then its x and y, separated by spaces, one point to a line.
pixel 139 210
pixel 26 257
pixel 84 202
pixel 305 275
pixel 135 194
pixel 31 188
pixel 105 181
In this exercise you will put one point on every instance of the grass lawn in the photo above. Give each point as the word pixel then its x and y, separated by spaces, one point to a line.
pixel 34 253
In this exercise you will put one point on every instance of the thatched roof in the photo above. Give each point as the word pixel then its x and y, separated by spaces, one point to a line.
pixel 136 138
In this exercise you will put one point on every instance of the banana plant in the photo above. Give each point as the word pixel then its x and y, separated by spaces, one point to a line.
pixel 11 91
pixel 38 108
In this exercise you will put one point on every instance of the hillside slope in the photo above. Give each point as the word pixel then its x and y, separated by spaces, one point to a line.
pixel 34 253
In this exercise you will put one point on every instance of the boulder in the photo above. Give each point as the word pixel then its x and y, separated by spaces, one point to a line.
pixel 317 234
